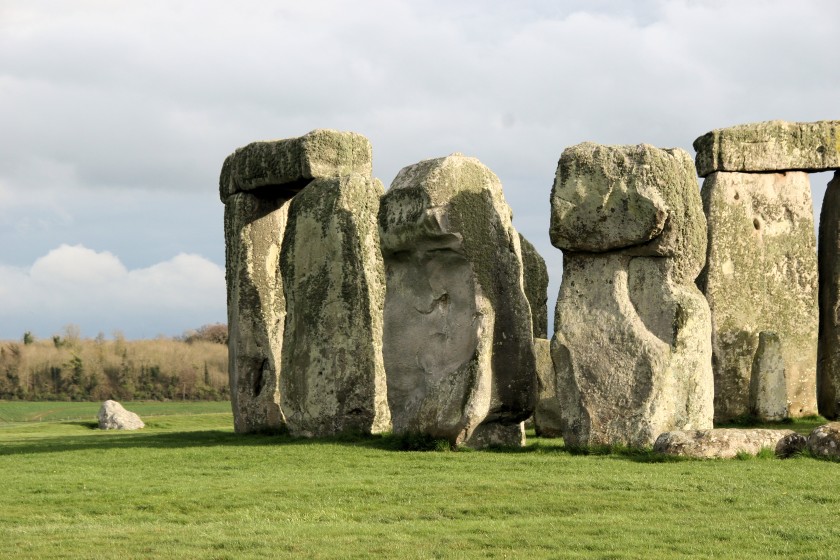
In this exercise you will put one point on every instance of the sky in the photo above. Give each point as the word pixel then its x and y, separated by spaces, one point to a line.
pixel 115 118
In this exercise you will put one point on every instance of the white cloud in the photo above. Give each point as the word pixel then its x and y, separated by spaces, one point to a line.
pixel 75 284
pixel 116 117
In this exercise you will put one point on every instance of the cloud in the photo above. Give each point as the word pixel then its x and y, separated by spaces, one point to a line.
pixel 75 284
pixel 116 117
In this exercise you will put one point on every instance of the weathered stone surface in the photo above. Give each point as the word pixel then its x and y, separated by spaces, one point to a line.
pixel 790 445
pixel 828 356
pixel 631 349
pixel 333 377
pixel 112 416
pixel 535 281
pixel 607 198
pixel 761 276
pixel 458 336
pixel 547 420
pixel 770 146
pixel 721 443
pixel 824 441
pixel 768 387
pixel 280 168
pixel 256 306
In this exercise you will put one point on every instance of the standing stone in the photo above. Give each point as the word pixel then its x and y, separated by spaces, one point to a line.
pixel 535 281
pixel 770 147
pixel 768 386
pixel 828 360
pixel 333 377
pixel 761 276
pixel 113 416
pixel 547 418
pixel 254 229
pixel 256 183
pixel 631 348
pixel 458 339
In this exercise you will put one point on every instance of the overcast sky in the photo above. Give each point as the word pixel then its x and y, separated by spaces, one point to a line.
pixel 115 118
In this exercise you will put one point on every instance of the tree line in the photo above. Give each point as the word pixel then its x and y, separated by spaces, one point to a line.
pixel 66 367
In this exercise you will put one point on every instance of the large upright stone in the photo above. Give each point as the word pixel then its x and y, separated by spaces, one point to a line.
pixel 828 361
pixel 256 183
pixel 631 349
pixel 535 281
pixel 458 341
pixel 333 377
pixel 761 280
pixel 770 147
pixel 256 306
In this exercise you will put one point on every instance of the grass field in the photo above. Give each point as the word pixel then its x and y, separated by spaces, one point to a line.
pixel 12 412
pixel 187 487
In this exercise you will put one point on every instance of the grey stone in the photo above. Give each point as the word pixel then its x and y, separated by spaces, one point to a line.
pixel 256 183
pixel 761 276
pixel 770 146
pixel 112 416
pixel 720 443
pixel 280 168
pixel 631 348
pixel 333 377
pixel 790 445
pixel 824 441
pixel 828 356
pixel 535 278
pixel 768 386
pixel 458 341
pixel 256 306
pixel 547 418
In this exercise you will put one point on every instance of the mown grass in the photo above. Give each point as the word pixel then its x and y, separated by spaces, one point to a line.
pixel 25 411
pixel 187 487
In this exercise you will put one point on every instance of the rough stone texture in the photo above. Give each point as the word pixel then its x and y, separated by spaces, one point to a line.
pixel 790 445
pixel 761 276
pixel 547 421
pixel 824 441
pixel 721 443
pixel 112 416
pixel 333 378
pixel 770 146
pixel 256 183
pixel 768 386
pixel 535 281
pixel 458 342
pixel 256 309
pixel 631 349
pixel 828 356
pixel 283 167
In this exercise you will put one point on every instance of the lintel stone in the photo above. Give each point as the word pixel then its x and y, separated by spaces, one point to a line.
pixel 289 164
pixel 770 146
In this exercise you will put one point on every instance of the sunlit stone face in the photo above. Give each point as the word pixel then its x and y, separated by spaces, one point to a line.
pixel 430 324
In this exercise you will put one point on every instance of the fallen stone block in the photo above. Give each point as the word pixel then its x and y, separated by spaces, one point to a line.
pixel 720 443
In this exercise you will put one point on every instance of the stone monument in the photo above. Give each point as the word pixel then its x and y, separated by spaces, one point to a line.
pixel 631 347
pixel 458 338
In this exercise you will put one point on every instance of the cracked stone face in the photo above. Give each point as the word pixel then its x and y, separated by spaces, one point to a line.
pixel 430 303
pixel 458 337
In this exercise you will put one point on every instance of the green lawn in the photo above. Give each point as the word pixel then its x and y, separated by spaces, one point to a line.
pixel 24 411
pixel 187 487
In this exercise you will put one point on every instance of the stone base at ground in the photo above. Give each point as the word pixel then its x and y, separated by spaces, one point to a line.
pixel 721 443
pixel 547 420
pixel 824 441
pixel 112 416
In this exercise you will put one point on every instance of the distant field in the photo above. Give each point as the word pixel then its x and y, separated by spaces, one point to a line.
pixel 188 487
pixel 22 411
